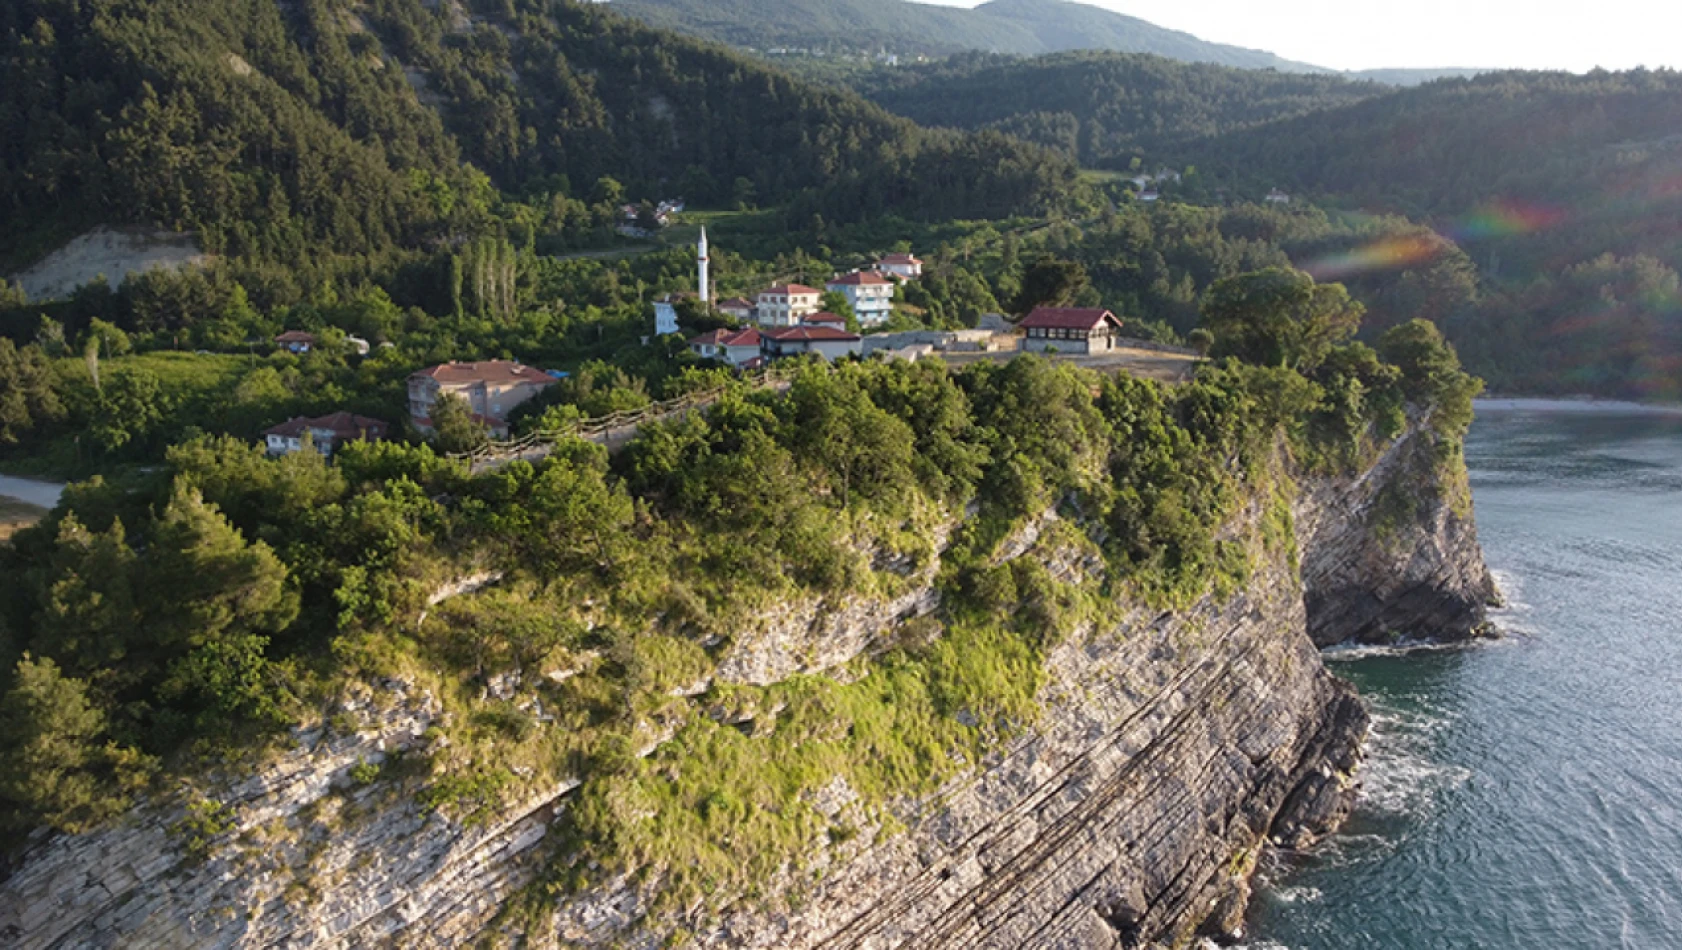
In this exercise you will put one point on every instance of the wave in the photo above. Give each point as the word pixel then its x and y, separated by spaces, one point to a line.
pixel 1350 652
pixel 1207 944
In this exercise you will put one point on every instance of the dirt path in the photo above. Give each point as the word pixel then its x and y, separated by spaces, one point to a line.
pixel 1148 364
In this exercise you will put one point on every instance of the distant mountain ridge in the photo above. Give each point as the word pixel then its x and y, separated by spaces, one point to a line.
pixel 1022 27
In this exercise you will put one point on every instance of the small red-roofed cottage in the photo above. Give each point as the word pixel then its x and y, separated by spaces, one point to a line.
pixel 492 389
pixel 903 266
pixel 737 308
pixel 828 342
pixel 784 304
pixel 736 347
pixel 295 341
pixel 325 434
pixel 1069 330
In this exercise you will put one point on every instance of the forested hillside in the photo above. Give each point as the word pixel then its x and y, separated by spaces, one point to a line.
pixel 1023 27
pixel 290 130
pixel 1564 190
pixel 1104 108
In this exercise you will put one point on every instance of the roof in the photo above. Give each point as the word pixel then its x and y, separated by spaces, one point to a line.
pixel 728 337
pixel 859 277
pixel 1068 318
pixel 736 303
pixel 815 334
pixel 490 371
pixel 826 318
pixel 295 336
pixel 785 290
pixel 343 425
pixel 900 259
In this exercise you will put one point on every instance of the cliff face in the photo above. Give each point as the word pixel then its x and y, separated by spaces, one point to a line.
pixel 1393 555
pixel 1170 749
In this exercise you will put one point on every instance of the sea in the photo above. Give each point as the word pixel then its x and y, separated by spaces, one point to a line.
pixel 1524 794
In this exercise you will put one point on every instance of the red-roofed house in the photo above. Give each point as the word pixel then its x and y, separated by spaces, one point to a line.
pixel 784 304
pixel 824 319
pixel 492 389
pixel 295 341
pixel 871 295
pixel 828 342
pixel 326 433
pixel 736 347
pixel 1069 330
pixel 737 308
pixel 903 266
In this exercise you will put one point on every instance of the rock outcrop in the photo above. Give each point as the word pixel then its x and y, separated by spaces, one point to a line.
pixel 1393 556
pixel 1170 750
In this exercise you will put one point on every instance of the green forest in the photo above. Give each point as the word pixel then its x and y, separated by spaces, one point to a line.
pixel 1535 212
pixel 296 133
pixel 1105 109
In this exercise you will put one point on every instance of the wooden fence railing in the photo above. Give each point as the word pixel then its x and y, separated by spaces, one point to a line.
pixel 537 445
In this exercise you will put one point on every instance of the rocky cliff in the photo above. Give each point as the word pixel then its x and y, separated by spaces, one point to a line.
pixel 1169 750
pixel 1393 554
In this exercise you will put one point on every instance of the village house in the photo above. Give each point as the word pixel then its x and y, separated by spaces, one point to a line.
pixel 828 342
pixel 736 347
pixel 1069 330
pixel 492 390
pixel 295 341
pixel 784 304
pixel 870 294
pixel 1277 197
pixel 824 319
pixel 903 266
pixel 324 434
pixel 1149 195
pixel 739 309
pixel 665 313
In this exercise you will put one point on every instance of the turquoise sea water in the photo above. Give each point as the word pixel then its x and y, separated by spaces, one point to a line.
pixel 1527 793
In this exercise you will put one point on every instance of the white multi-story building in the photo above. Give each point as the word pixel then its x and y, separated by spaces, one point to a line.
pixel 870 294
pixel 785 304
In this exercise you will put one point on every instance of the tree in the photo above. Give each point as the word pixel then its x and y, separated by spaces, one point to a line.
pixel 834 301
pixel 1431 372
pixel 108 337
pixel 1050 282
pixel 744 193
pixel 127 410
pixel 59 767
pixel 1279 317
pixel 454 427
pixel 29 395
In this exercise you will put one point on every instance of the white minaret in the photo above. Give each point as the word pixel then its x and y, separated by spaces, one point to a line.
pixel 701 253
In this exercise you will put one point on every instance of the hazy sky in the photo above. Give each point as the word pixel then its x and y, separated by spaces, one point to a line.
pixel 1359 34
